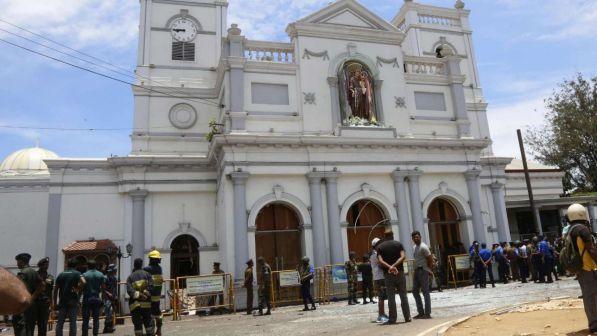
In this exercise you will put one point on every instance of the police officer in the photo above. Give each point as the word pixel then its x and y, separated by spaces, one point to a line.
pixel 110 296
pixel 43 301
pixel 306 274
pixel 139 286
pixel 24 324
pixel 248 284
pixel 155 270
pixel 219 297
pixel 351 274
pixel 265 285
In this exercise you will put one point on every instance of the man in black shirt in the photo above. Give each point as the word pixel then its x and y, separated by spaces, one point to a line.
pixel 367 284
pixel 391 257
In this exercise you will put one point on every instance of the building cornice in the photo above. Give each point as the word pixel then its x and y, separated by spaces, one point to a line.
pixel 345 33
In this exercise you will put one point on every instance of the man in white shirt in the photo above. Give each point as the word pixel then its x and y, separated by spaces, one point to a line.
pixel 378 280
pixel 423 269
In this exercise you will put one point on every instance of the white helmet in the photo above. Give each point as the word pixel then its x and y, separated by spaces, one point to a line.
pixel 577 212
pixel 375 241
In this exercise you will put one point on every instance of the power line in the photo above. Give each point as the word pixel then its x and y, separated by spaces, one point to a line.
pixel 81 53
pixel 75 129
pixel 107 76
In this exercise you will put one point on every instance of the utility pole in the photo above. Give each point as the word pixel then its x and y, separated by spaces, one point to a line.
pixel 534 211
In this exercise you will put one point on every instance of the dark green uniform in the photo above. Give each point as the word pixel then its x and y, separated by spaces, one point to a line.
pixel 156 294
pixel 351 274
pixel 41 305
pixel 139 286
pixel 24 324
pixel 265 287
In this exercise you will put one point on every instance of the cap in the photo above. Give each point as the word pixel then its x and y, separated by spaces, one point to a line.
pixel 217 263
pixel 43 261
pixel 250 261
pixel 23 257
pixel 375 241
pixel 306 259
pixel 111 268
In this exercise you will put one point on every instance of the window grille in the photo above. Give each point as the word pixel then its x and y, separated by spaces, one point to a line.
pixel 183 51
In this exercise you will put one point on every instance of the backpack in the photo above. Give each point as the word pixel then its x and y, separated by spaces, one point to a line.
pixel 570 258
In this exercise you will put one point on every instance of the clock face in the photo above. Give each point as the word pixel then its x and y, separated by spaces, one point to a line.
pixel 183 30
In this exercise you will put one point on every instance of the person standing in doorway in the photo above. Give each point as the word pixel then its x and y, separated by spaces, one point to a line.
pixel 43 300
pixel 391 256
pixel 352 277
pixel 66 296
pixel 378 279
pixel 423 269
pixel 306 274
pixel 248 284
pixel 138 286
pixel 109 298
pixel 94 285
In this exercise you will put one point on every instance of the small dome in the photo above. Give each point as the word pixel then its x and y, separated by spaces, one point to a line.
pixel 27 161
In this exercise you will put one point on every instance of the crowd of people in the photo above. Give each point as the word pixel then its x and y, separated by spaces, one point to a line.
pixel 34 294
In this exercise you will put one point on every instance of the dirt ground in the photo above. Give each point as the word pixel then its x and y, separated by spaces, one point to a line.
pixel 557 317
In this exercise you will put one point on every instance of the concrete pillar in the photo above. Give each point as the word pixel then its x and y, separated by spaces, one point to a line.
pixel 537 214
pixel 592 215
pixel 241 244
pixel 378 101
pixel 416 206
pixel 236 61
pixel 499 208
pixel 336 115
pixel 457 91
pixel 335 231
pixel 321 255
pixel 138 233
pixel 53 231
pixel 402 207
pixel 473 184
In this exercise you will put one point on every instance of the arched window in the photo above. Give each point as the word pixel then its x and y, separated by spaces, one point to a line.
pixel 357 95
pixel 184 259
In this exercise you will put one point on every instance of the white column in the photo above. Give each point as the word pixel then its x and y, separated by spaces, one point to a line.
pixel 401 206
pixel 241 244
pixel 321 254
pixel 592 216
pixel 138 233
pixel 473 185
pixel 331 185
pixel 499 208
pixel 416 206
pixel 537 214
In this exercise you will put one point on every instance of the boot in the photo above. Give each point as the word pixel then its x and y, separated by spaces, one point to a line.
pixel 313 306
pixel 306 308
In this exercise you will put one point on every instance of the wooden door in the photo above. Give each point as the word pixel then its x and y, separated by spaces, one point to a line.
pixel 278 236
pixel 365 214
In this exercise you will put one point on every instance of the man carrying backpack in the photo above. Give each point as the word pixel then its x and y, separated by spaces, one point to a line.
pixel 579 256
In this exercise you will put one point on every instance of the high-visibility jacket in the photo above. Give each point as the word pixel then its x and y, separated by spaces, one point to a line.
pixel 158 281
pixel 139 286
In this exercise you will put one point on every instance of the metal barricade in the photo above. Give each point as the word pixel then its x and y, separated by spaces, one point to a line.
pixel 214 292
pixel 459 268
pixel 321 286
pixel 285 288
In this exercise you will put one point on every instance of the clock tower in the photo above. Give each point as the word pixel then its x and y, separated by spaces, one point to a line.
pixel 179 51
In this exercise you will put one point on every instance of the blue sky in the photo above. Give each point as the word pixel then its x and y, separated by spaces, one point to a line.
pixel 523 49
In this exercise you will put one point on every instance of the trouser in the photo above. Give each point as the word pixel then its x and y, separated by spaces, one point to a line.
pixel 142 318
pixel 352 289
pixel 67 310
pixel 588 287
pixel 523 265
pixel 367 288
pixel 503 270
pixel 19 323
pixel 480 269
pixel 546 269
pixel 156 314
pixel 264 300
pixel 91 308
pixel 40 315
pixel 421 283
pixel 536 263
pixel 249 300
pixel 397 282
pixel 306 294
pixel 109 314
pixel 514 269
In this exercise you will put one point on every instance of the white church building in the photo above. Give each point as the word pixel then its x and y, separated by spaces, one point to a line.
pixel 244 148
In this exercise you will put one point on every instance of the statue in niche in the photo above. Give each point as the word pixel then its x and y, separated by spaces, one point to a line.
pixel 359 97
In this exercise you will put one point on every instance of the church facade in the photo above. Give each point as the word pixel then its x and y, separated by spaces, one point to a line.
pixel 245 148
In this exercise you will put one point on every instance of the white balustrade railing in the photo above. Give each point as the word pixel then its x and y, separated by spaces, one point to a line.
pixel 439 20
pixel 424 67
pixel 269 52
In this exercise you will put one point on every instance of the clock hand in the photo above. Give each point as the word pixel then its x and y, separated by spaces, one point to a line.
pixel 179 30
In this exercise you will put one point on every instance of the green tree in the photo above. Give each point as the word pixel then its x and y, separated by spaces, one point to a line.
pixel 568 138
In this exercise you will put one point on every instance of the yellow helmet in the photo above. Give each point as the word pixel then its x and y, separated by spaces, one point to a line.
pixel 577 212
pixel 155 254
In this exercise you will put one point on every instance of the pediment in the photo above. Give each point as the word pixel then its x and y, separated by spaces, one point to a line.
pixel 348 13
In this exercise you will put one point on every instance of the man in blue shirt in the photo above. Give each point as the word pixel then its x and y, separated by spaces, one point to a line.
pixel 94 285
pixel 547 261
pixel 485 264
pixel 500 258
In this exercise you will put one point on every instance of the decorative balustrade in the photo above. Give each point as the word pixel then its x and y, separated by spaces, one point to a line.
pixel 439 20
pixel 269 51
pixel 424 67
pixel 402 26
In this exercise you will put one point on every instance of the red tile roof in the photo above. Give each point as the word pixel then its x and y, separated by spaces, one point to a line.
pixel 90 245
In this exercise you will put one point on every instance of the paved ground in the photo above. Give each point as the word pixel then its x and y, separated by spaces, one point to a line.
pixel 338 318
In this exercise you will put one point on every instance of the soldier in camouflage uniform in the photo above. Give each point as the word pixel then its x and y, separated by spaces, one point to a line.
pixel 265 285
pixel 139 286
pixel 24 324
pixel 351 273
pixel 43 301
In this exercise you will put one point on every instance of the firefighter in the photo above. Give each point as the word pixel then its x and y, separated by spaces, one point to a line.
pixel 139 286
pixel 155 270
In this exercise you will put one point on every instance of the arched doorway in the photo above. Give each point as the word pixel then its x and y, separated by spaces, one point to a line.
pixel 444 226
pixel 184 258
pixel 367 214
pixel 278 236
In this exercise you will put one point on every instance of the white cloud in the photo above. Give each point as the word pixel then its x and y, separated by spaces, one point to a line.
pixel 79 23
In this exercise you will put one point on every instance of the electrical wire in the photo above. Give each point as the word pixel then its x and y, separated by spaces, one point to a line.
pixel 107 76
pixel 135 75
